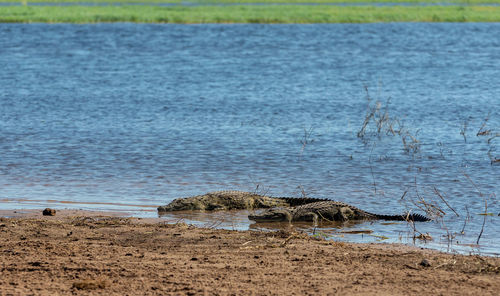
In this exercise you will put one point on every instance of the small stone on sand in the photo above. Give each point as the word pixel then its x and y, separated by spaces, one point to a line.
pixel 49 212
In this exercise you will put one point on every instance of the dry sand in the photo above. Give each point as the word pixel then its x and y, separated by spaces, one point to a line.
pixel 86 253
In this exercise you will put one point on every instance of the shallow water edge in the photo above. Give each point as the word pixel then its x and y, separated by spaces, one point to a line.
pixel 360 232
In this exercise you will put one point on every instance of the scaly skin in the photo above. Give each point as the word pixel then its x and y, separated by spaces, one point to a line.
pixel 228 200
pixel 328 211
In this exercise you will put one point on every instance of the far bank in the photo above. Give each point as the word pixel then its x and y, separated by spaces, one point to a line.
pixel 268 14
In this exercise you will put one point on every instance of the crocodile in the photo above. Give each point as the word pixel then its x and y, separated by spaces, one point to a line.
pixel 329 211
pixel 229 200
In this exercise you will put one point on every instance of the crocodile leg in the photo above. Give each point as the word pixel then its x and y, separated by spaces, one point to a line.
pixel 308 217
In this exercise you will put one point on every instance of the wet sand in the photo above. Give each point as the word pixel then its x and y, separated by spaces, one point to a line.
pixel 95 253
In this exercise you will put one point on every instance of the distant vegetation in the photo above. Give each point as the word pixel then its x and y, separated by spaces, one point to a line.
pixel 258 1
pixel 247 13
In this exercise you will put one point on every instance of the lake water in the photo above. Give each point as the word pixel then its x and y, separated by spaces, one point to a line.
pixel 129 116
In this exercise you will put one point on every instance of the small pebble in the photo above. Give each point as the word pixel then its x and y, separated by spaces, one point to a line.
pixel 425 263
pixel 49 212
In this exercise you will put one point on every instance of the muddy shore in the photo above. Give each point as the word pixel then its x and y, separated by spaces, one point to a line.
pixel 85 253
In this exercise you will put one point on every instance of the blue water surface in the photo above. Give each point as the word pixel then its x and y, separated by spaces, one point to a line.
pixel 109 115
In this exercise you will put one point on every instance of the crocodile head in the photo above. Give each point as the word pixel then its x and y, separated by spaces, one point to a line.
pixel 272 215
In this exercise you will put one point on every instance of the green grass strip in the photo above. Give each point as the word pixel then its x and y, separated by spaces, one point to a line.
pixel 248 14
pixel 334 1
pixel 214 2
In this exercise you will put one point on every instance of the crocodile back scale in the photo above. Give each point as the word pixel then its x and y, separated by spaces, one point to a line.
pixel 228 200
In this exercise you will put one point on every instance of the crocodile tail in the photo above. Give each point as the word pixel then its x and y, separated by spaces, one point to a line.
pixel 298 201
pixel 404 217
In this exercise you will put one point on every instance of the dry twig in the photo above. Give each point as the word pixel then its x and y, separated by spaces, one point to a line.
pixel 444 200
pixel 484 221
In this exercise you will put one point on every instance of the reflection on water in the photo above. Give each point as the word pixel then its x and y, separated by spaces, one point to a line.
pixel 234 220
pixel 238 220
pixel 361 231
pixel 113 114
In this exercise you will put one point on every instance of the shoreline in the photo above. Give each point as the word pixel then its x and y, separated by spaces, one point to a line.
pixel 236 220
pixel 95 253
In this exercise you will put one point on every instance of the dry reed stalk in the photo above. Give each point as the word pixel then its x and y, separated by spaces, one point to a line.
pixel 444 200
pixel 484 221
pixel 482 131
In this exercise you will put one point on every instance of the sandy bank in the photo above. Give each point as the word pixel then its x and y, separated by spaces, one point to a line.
pixel 90 254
